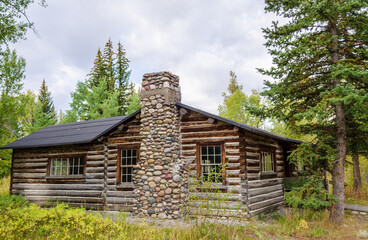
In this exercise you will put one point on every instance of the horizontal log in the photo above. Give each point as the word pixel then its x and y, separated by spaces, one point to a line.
pixel 30 165
pixel 65 199
pixel 29 175
pixel 266 196
pixel 95 157
pixel 27 170
pixel 95 170
pixel 73 193
pixel 117 200
pixel 69 186
pixel 121 194
pixel 260 191
pixel 264 183
pixel 268 208
pixel 265 203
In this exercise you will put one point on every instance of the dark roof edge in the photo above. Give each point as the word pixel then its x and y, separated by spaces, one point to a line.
pixel 127 118
pixel 243 126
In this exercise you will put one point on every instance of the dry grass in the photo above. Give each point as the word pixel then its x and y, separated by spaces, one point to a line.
pixel 4 185
pixel 351 197
pixel 311 225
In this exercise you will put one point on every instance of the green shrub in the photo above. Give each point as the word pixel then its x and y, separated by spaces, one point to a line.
pixel 5 168
pixel 12 202
pixel 311 195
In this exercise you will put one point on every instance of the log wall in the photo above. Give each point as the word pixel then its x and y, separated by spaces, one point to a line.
pixel 30 176
pixel 121 197
pixel 228 198
pixel 265 191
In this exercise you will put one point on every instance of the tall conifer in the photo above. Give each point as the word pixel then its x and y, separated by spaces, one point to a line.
pixel 320 58
pixel 45 113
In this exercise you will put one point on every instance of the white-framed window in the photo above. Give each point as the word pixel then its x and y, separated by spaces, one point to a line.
pixel 67 166
pixel 127 162
pixel 267 162
pixel 211 165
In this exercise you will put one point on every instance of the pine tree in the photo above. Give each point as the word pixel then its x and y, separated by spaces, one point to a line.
pixel 111 69
pixel 45 113
pixel 122 78
pixel 320 58
pixel 98 70
pixel 108 62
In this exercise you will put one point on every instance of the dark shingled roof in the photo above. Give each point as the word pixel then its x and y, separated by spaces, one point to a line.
pixel 70 133
pixel 88 131
pixel 240 125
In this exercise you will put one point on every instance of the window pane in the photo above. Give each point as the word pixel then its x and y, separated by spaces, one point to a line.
pixel 211 159
pixel 128 159
pixel 211 150
pixel 204 150
pixel 218 150
pixel 218 159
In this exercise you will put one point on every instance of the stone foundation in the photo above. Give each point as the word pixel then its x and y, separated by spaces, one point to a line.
pixel 160 175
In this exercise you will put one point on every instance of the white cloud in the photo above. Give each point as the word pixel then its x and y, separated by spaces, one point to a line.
pixel 198 40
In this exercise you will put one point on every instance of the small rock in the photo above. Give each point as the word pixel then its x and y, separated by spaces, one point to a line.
pixel 161 193
pixel 152 184
pixel 158 167
pixel 150 211
pixel 177 178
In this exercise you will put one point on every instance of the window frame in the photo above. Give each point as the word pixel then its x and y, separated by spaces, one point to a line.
pixel 120 184
pixel 272 151
pixel 67 176
pixel 223 158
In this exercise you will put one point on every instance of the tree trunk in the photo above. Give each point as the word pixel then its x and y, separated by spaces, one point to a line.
pixel 357 186
pixel 326 181
pixel 337 211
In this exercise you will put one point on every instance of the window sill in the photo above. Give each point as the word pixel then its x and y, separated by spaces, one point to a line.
pixel 66 178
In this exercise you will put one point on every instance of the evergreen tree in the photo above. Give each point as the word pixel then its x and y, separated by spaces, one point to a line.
pixel 122 78
pixel 320 58
pixel 108 63
pixel 98 70
pixel 93 103
pixel 110 69
pixel 45 113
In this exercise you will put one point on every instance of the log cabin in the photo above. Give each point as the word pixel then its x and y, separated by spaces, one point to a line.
pixel 155 162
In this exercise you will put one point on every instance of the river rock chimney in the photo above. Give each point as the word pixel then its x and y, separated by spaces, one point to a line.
pixel 160 174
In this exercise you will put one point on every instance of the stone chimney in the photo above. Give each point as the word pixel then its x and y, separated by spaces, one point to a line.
pixel 160 174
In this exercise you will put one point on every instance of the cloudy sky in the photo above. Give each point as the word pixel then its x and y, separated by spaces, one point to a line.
pixel 198 40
